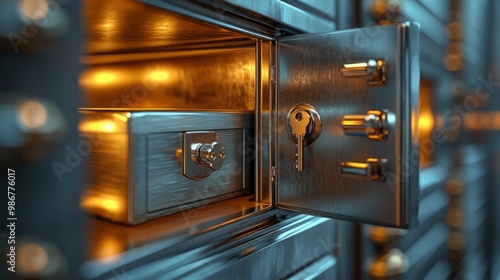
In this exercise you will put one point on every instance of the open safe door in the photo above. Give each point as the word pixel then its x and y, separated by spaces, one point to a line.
pixel 347 113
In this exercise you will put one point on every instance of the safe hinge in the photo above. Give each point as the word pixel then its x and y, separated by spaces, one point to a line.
pixel 273 174
pixel 273 74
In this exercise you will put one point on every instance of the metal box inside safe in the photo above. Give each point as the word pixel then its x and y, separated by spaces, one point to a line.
pixel 146 164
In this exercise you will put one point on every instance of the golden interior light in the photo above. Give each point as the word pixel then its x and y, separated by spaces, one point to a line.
pixel 357 165
pixel 356 65
pixel 110 204
pixel 108 126
pixel 96 202
pixel 32 258
pixel 108 248
pixel 32 114
pixel 426 120
pixel 251 67
pixel 34 9
pixel 108 25
pixel 104 77
pixel 121 117
pixel 164 26
pixel 159 76
pixel 97 126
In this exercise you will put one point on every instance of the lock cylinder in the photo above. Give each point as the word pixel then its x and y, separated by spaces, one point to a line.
pixel 211 154
pixel 201 154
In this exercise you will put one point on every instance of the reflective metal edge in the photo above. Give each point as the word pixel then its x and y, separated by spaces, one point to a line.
pixel 264 58
pixel 174 243
pixel 410 87
pixel 228 16
pixel 269 254
pixel 170 120
pixel 310 17
pixel 186 254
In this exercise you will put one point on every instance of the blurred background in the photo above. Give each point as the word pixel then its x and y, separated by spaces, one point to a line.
pixel 60 55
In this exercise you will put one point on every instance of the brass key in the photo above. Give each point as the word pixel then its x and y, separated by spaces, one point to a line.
pixel 299 121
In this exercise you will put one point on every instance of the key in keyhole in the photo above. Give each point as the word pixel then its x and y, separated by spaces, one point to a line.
pixel 299 121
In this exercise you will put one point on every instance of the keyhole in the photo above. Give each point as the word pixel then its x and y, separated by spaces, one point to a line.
pixel 298 116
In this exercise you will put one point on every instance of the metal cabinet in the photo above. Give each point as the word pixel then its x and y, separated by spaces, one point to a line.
pixel 329 140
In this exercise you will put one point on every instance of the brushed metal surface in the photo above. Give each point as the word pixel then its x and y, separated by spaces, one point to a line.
pixel 216 78
pixel 135 171
pixel 309 71
pixel 278 254
pixel 168 187
pixel 105 185
pixel 261 246
pixel 145 122
pixel 324 268
pixel 107 192
pixel 127 26
pixel 310 16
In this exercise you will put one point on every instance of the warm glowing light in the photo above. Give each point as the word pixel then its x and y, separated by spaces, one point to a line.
pixel 249 67
pixel 34 9
pixel 108 26
pixel 108 248
pixel 163 26
pixel 425 122
pixel 108 127
pixel 104 77
pixel 121 117
pixel 32 258
pixel 357 165
pixel 104 126
pixel 93 202
pixel 356 65
pixel 109 204
pixel 32 114
pixel 159 76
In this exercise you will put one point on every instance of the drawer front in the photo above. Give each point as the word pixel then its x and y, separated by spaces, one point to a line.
pixel 166 185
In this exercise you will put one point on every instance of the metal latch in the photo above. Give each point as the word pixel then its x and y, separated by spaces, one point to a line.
pixel 374 69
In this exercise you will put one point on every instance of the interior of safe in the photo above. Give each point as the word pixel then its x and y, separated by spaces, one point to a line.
pixel 139 57
pixel 162 60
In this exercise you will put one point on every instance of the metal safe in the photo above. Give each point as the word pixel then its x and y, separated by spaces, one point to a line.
pixel 335 134
pixel 232 139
